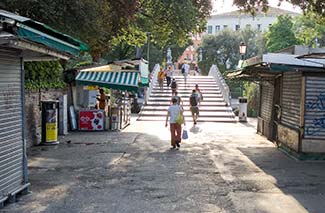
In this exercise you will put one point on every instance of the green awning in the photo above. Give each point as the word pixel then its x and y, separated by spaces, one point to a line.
pixel 114 80
pixel 38 32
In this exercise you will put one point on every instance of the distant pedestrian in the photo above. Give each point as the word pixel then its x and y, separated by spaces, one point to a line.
pixel 175 128
pixel 199 93
pixel 185 71
pixel 161 77
pixel 178 98
pixel 197 70
pixel 194 106
pixel 169 75
pixel 173 85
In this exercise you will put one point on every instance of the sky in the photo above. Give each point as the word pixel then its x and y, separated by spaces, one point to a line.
pixel 222 6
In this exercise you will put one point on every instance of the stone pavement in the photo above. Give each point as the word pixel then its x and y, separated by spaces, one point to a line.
pixel 222 167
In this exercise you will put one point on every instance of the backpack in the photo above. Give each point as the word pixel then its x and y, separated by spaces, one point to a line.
pixel 183 70
pixel 173 85
pixel 193 101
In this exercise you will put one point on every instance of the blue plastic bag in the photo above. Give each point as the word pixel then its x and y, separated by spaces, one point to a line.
pixel 184 134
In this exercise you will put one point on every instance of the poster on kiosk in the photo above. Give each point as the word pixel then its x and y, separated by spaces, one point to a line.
pixel 91 120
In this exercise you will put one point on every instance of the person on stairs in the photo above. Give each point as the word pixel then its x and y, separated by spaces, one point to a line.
pixel 175 128
pixel 178 98
pixel 173 85
pixel 185 71
pixel 199 93
pixel 161 77
pixel 169 74
pixel 194 106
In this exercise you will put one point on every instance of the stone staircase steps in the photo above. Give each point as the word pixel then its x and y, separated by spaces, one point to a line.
pixel 212 108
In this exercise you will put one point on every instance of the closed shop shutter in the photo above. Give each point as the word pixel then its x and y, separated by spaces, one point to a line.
pixel 11 131
pixel 266 101
pixel 291 97
pixel 315 108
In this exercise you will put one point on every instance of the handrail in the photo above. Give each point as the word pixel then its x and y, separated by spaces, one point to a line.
pixel 153 79
pixel 214 71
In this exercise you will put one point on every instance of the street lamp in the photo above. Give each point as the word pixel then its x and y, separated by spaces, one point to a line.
pixel 242 52
pixel 242 49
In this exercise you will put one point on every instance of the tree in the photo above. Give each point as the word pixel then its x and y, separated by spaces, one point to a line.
pixel 252 6
pixel 280 35
pixel 104 24
pixel 223 49
pixel 308 31
pixel 95 22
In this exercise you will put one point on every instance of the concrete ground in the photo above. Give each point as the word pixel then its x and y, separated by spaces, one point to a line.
pixel 222 167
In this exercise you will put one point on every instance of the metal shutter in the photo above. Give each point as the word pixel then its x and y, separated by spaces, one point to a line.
pixel 291 97
pixel 11 125
pixel 315 108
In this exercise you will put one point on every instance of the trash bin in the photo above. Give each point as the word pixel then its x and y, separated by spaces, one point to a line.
pixel 115 118
pixel 242 109
pixel 50 122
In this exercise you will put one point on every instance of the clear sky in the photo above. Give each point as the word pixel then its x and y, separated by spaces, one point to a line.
pixel 222 6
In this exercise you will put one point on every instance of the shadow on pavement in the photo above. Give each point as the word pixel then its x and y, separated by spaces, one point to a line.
pixel 305 181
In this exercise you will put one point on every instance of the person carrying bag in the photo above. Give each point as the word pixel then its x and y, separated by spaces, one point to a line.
pixel 176 119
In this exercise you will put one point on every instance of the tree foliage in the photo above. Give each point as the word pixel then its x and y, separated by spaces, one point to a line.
pixel 315 6
pixel 42 75
pixel 105 23
pixel 223 49
pixel 308 31
pixel 280 35
pixel 95 22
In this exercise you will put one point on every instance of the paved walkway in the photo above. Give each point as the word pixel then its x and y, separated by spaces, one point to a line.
pixel 221 168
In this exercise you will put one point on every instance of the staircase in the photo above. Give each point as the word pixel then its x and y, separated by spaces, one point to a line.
pixel 212 108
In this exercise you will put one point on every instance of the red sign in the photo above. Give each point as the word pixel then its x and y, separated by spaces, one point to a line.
pixel 91 120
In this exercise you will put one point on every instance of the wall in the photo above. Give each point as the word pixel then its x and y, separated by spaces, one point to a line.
pixel 33 113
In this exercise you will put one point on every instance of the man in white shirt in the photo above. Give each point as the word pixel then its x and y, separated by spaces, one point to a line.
pixel 185 71
pixel 175 128
pixel 169 75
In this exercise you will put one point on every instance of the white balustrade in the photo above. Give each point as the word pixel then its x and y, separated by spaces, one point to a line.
pixel 214 71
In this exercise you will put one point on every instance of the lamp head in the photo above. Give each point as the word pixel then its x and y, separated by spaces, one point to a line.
pixel 242 48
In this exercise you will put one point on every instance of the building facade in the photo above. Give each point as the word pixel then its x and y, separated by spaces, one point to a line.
pixel 237 20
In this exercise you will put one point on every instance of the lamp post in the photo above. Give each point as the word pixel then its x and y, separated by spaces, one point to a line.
pixel 242 52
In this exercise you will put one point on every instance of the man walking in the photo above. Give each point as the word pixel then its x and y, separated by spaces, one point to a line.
pixel 185 71
pixel 194 106
pixel 175 128
pixel 169 74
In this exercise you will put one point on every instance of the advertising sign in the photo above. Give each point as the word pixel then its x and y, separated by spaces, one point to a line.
pixel 92 120
pixel 51 125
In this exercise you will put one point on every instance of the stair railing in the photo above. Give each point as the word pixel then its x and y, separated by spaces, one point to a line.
pixel 214 71
pixel 153 79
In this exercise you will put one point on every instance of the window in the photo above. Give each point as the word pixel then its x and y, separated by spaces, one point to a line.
pixel 209 29
pixel 217 28
pixel 225 26
pixel 259 27
pixel 237 27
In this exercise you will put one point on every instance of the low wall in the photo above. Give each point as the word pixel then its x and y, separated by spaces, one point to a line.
pixel 33 112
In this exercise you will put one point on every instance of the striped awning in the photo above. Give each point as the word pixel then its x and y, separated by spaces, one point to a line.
pixel 114 80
